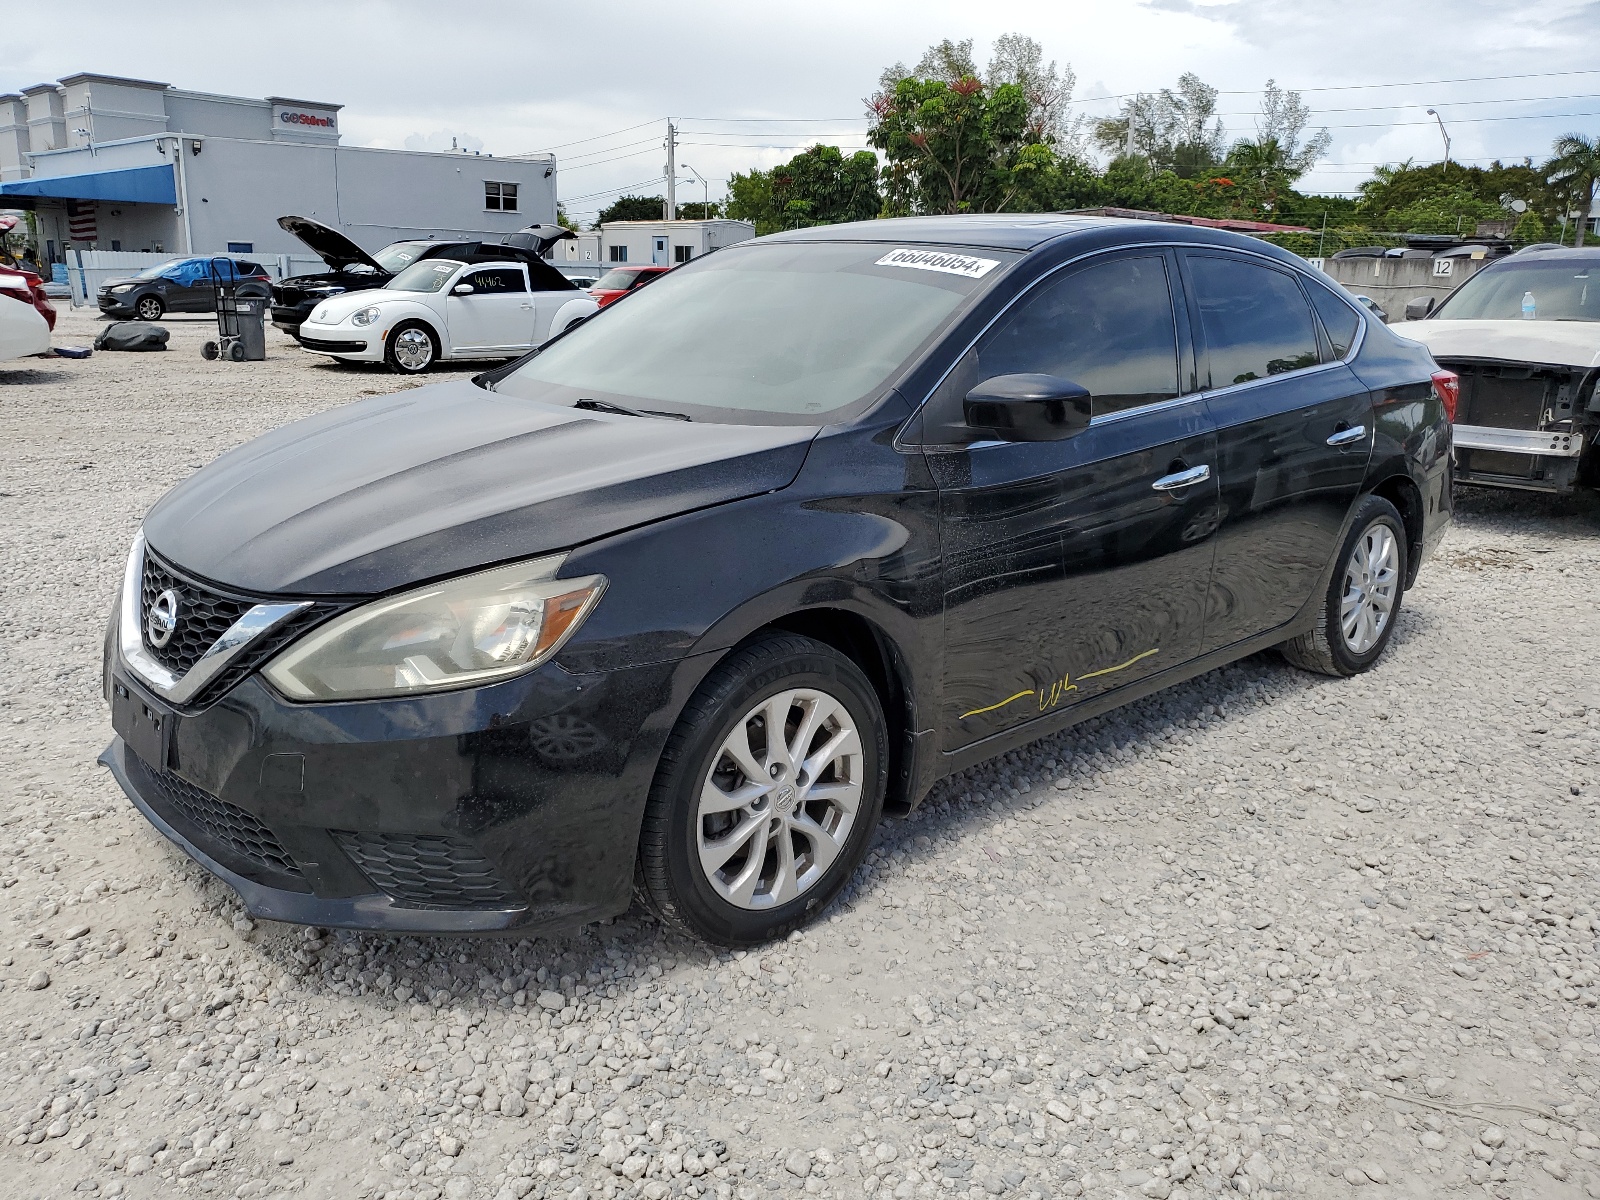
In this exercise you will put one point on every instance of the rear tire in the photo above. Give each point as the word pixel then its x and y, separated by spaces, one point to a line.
pixel 1363 598
pixel 150 308
pixel 411 348
pixel 741 856
pixel 209 351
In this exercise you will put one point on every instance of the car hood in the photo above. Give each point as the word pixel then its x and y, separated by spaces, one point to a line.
pixel 1558 343
pixel 108 284
pixel 331 246
pixel 439 480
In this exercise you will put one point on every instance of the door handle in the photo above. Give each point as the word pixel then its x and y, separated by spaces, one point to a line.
pixel 1346 437
pixel 1182 479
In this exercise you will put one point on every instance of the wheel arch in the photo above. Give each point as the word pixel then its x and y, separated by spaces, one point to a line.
pixel 1400 490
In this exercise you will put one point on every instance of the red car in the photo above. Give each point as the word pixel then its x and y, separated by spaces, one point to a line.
pixel 39 300
pixel 622 280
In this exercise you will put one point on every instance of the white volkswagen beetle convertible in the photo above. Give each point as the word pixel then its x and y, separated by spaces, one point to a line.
pixel 441 309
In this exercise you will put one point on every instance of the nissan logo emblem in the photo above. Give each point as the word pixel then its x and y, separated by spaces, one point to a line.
pixel 162 621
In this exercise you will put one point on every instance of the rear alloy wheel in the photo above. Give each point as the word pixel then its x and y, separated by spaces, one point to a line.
pixel 767 795
pixel 1363 598
pixel 411 348
pixel 150 308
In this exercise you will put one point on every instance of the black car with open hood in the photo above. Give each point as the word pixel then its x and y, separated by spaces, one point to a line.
pixel 352 269
pixel 677 604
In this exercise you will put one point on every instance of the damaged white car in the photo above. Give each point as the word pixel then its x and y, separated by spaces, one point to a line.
pixel 1524 336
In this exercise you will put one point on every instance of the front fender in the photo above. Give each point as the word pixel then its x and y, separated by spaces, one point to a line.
pixel 573 310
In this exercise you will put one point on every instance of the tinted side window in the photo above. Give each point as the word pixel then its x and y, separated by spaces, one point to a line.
pixel 1338 318
pixel 1256 320
pixel 1107 327
pixel 494 280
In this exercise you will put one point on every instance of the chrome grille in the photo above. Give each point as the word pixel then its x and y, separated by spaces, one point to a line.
pixel 203 615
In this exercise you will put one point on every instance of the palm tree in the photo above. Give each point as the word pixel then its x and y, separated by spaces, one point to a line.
pixel 1575 171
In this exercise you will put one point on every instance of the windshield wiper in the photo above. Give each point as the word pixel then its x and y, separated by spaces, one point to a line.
pixel 607 406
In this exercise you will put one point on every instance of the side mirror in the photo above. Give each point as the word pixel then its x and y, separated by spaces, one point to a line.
pixel 1419 307
pixel 1027 408
pixel 462 289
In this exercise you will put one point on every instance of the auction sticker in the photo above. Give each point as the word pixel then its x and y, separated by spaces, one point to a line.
pixel 938 260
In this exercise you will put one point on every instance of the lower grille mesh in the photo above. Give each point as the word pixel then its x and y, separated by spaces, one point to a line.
pixel 427 870
pixel 221 822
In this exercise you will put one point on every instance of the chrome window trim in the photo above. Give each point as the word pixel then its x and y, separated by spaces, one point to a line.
pixel 1140 410
pixel 180 688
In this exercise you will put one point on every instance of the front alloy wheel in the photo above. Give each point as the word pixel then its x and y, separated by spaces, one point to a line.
pixel 411 349
pixel 767 794
pixel 150 308
pixel 778 805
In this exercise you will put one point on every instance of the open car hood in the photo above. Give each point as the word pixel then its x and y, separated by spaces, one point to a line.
pixel 331 246
pixel 440 480
pixel 1551 343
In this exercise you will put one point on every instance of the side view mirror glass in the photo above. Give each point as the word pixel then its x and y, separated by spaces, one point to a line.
pixel 1419 307
pixel 1027 408
pixel 462 289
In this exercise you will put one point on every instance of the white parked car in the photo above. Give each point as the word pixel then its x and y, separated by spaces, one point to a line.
pixel 442 309
pixel 22 330
pixel 1524 336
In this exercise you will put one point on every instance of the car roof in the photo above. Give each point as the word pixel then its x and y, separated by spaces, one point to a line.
pixel 1024 232
pixel 1562 253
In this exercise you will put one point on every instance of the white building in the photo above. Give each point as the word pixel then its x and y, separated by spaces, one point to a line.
pixel 126 164
pixel 662 243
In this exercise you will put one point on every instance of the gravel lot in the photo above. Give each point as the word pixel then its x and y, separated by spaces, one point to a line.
pixel 1267 932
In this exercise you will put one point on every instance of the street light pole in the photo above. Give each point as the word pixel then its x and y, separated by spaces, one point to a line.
pixel 1445 134
pixel 705 207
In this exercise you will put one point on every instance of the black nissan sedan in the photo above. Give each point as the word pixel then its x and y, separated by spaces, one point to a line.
pixel 680 603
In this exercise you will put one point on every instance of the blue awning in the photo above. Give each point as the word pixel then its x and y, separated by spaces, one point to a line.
pixel 133 185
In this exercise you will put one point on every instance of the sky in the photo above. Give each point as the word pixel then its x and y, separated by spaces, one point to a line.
pixel 750 85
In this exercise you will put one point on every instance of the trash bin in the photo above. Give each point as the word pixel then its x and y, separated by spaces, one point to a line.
pixel 252 337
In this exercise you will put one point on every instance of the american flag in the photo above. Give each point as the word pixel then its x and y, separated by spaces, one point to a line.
pixel 80 221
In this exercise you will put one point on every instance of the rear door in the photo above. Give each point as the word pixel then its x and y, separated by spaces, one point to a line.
pixel 1079 566
pixel 497 317
pixel 1294 434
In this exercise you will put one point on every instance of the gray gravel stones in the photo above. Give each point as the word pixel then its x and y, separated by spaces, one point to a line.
pixel 1265 933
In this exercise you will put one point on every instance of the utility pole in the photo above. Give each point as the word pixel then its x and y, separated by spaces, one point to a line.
pixel 1445 134
pixel 672 172
pixel 1133 112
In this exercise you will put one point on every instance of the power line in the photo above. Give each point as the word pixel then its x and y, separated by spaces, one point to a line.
pixel 1354 87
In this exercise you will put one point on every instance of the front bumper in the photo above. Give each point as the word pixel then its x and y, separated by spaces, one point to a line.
pixel 115 306
pixel 515 806
pixel 343 341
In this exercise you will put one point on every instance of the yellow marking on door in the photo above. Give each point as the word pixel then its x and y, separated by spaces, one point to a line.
pixel 978 712
pixel 1120 666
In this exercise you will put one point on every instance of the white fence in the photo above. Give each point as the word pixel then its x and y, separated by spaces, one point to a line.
pixel 88 269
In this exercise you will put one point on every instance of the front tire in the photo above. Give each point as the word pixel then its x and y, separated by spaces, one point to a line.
pixel 411 348
pixel 767 793
pixel 150 308
pixel 1363 599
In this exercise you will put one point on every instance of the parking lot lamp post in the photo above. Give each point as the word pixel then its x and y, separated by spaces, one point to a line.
pixel 1445 134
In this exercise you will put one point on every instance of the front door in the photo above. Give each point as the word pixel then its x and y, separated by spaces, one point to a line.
pixel 1076 567
pixel 497 316
pixel 1294 433
pixel 659 253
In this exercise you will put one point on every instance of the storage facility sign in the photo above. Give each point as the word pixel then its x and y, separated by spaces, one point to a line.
pixel 300 120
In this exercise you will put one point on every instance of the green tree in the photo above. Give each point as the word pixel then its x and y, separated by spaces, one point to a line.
pixel 633 208
pixel 955 147
pixel 1530 229
pixel 1177 129
pixel 1263 170
pixel 1574 173
pixel 699 210
pixel 819 186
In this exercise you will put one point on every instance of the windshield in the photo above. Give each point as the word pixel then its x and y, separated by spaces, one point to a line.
pixel 1554 290
pixel 429 275
pixel 782 333
pixel 397 257
pixel 159 269
pixel 619 280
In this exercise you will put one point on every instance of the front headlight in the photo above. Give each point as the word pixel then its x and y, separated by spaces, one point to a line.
pixel 124 287
pixel 365 317
pixel 462 632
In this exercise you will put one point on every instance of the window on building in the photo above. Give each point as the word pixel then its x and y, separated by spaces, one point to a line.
pixel 1255 319
pixel 499 197
pixel 619 254
pixel 241 247
pixel 682 253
